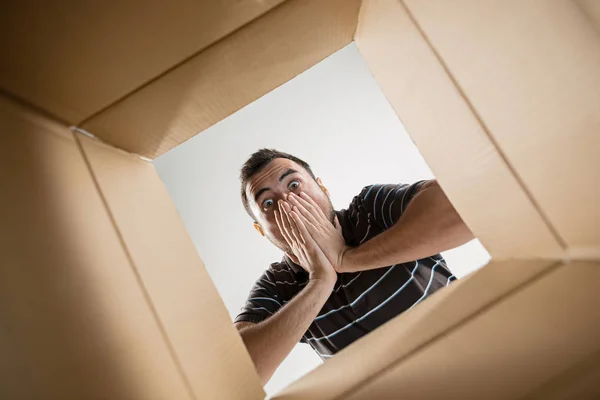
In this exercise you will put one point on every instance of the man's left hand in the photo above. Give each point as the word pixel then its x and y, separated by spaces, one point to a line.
pixel 323 232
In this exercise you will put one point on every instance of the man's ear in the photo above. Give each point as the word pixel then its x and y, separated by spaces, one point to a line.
pixel 259 229
pixel 320 182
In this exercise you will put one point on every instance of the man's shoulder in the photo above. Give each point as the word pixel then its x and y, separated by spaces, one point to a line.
pixel 370 193
pixel 376 206
pixel 375 193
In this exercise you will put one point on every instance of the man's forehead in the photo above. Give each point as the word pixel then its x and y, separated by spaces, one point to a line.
pixel 271 172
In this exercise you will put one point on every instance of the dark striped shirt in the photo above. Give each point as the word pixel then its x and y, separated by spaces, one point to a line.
pixel 360 301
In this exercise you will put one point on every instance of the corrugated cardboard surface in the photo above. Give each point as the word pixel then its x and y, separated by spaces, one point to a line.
pixel 535 332
pixel 531 70
pixel 451 138
pixel 591 9
pixel 511 349
pixel 415 330
pixel 74 321
pixel 75 58
pixel 102 294
pixel 212 355
pixel 579 382
pixel 227 76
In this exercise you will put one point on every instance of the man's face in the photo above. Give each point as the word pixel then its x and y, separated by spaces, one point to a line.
pixel 274 183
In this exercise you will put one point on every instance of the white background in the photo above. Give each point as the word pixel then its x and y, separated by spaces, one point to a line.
pixel 335 117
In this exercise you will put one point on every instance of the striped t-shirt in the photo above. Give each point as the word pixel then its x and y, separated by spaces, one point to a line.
pixel 360 301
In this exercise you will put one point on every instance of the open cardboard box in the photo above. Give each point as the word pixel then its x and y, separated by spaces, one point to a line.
pixel 102 294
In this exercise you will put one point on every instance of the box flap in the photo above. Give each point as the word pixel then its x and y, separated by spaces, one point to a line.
pixel 453 140
pixel 531 70
pixel 591 8
pixel 509 350
pixel 578 382
pixel 73 59
pixel 227 76
pixel 191 312
pixel 416 329
pixel 75 322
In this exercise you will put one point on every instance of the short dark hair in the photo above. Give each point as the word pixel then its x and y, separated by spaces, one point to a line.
pixel 257 162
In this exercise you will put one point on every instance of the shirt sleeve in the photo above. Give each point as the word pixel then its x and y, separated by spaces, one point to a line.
pixel 384 204
pixel 263 301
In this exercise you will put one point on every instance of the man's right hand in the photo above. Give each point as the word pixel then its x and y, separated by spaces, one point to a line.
pixel 305 251
pixel 269 342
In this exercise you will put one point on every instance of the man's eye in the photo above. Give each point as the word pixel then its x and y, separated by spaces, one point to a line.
pixel 267 203
pixel 294 185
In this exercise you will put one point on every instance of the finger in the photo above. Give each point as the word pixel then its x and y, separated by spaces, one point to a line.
pixel 285 223
pixel 294 229
pixel 300 260
pixel 279 218
pixel 304 196
pixel 311 205
pixel 301 205
pixel 279 221
pixel 302 228
pixel 307 240
pixel 309 247
pixel 293 258
pixel 286 228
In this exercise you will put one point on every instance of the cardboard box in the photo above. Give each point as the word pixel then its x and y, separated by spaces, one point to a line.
pixel 512 330
pixel 102 294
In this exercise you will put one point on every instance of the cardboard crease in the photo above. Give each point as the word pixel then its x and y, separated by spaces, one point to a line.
pixel 136 272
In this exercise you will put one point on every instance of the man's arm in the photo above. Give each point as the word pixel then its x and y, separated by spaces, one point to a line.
pixel 270 341
pixel 429 225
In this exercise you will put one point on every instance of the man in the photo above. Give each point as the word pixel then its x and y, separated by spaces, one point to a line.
pixel 344 273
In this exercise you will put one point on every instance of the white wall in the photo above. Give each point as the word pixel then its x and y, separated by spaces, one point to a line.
pixel 333 116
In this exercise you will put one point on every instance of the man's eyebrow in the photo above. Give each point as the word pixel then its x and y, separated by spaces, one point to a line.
pixel 286 173
pixel 261 191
